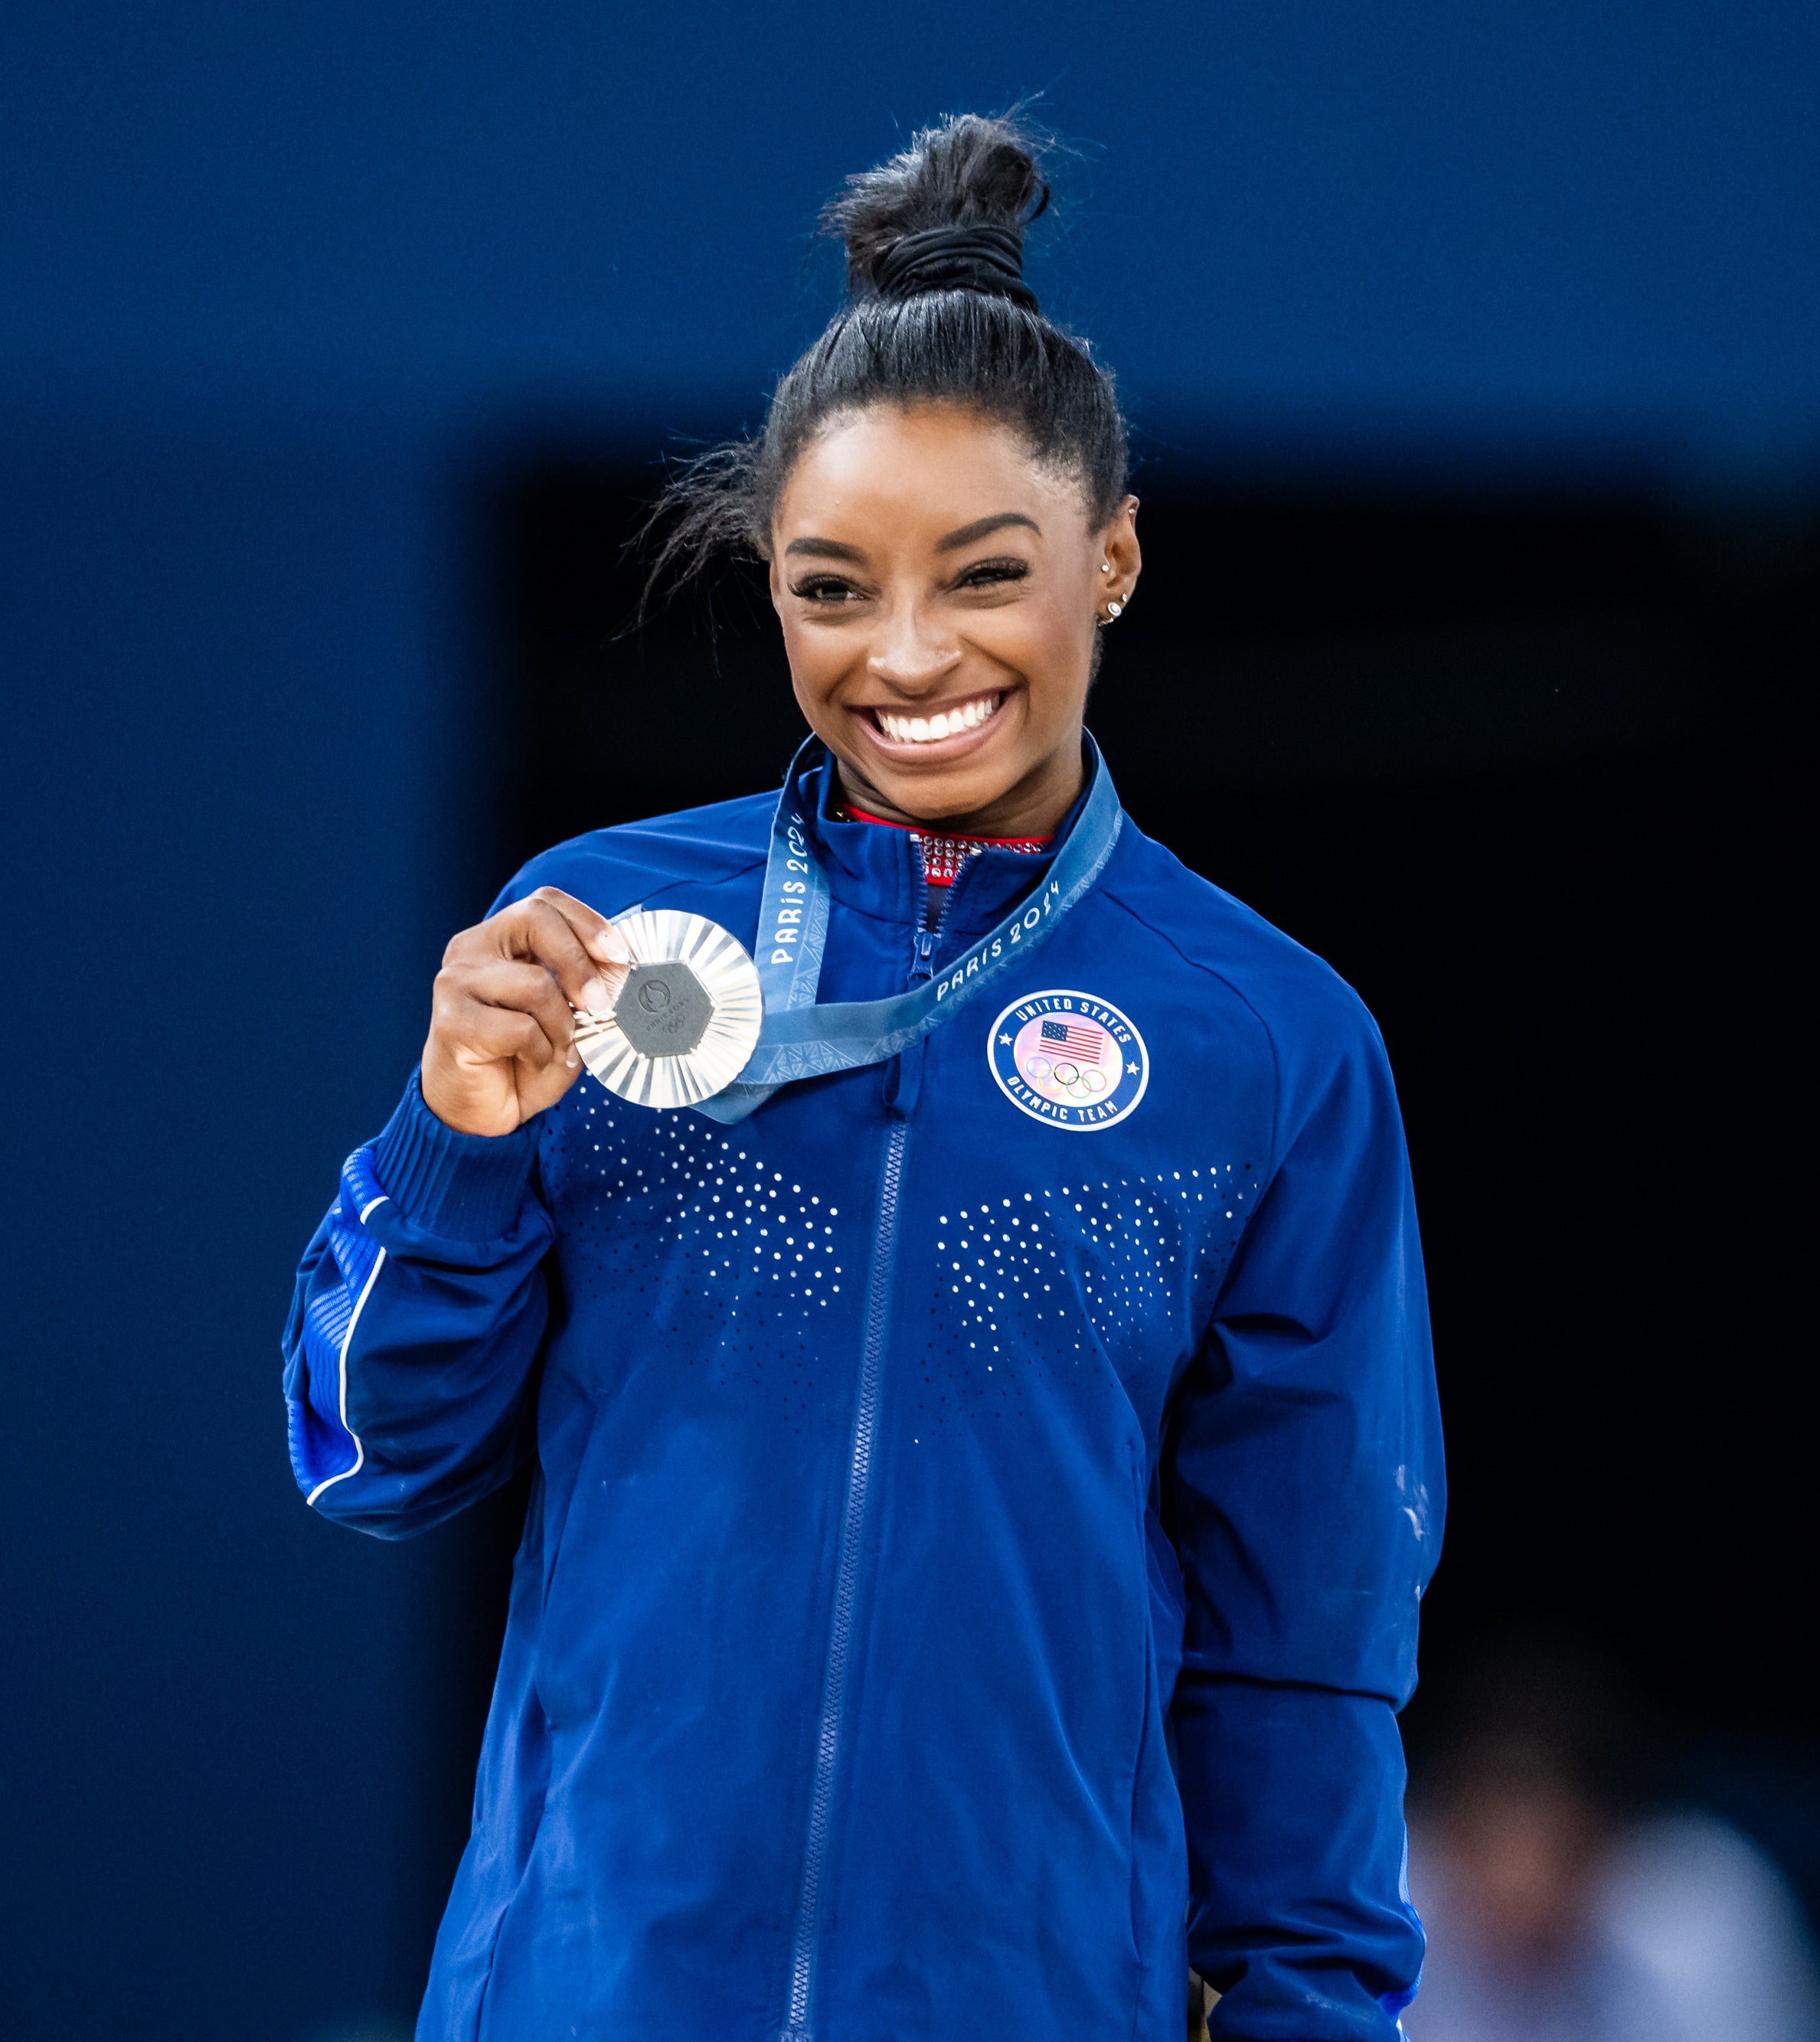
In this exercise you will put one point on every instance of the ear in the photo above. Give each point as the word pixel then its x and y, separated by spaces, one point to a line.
pixel 1122 555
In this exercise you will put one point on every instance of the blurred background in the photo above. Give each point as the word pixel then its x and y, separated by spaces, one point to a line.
pixel 1473 359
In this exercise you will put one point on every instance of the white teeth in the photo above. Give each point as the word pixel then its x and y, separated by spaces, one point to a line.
pixel 928 730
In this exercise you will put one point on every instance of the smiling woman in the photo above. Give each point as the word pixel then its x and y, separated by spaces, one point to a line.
pixel 971 1572
pixel 940 492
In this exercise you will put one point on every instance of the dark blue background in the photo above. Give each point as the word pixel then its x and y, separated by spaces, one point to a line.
pixel 280 290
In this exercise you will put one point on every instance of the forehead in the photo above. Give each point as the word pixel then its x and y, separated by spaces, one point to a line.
pixel 918 473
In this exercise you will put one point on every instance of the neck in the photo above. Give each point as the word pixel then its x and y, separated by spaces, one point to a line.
pixel 1033 807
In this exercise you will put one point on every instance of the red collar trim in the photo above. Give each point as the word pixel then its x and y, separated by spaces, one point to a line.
pixel 945 851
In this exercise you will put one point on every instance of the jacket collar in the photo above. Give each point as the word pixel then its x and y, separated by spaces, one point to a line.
pixel 878 871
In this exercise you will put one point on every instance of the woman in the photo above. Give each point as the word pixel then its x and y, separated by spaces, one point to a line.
pixel 984 1479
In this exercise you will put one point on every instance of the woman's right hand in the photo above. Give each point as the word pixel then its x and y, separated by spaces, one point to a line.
pixel 502 1033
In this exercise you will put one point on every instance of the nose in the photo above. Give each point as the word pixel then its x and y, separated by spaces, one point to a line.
pixel 909 656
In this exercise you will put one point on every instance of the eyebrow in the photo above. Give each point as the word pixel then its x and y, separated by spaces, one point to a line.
pixel 836 549
pixel 831 549
pixel 981 526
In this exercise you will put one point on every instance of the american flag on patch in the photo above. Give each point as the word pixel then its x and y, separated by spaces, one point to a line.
pixel 1079 1040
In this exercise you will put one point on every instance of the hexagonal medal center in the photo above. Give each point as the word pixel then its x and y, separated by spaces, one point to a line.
pixel 663 1010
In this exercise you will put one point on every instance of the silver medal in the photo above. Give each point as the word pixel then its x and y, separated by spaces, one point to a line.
pixel 685 1016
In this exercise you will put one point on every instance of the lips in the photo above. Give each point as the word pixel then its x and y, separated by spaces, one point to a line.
pixel 953 721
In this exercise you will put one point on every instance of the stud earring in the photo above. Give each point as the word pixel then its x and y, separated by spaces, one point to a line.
pixel 1106 567
pixel 1113 609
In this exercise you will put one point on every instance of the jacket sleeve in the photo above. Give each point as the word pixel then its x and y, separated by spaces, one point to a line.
pixel 415 1326
pixel 1302 1492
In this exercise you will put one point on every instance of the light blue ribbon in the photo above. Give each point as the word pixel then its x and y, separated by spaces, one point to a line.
pixel 799 1039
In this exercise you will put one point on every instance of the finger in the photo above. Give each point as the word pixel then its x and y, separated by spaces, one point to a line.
pixel 529 988
pixel 497 1035
pixel 538 1089
pixel 499 934
pixel 536 928
pixel 464 999
pixel 597 935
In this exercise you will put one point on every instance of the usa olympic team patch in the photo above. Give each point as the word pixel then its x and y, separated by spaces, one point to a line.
pixel 1069 1059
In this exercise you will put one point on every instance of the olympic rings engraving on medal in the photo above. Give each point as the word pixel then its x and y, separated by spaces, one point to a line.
pixel 1069 1059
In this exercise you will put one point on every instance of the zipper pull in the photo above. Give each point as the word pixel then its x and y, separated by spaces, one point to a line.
pixel 925 966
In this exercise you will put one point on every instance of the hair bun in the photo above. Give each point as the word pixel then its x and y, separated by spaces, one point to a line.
pixel 941 316
pixel 947 214
pixel 955 258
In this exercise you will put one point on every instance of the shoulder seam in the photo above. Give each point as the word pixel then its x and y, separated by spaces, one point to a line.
pixel 1243 999
pixel 713 876
pixel 690 879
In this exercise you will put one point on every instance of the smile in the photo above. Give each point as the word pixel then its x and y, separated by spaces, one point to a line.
pixel 946 723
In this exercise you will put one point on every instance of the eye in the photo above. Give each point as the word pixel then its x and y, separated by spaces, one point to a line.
pixel 989 574
pixel 825 588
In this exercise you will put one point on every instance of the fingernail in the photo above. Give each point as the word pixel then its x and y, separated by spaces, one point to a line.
pixel 595 997
pixel 610 946
pixel 574 1056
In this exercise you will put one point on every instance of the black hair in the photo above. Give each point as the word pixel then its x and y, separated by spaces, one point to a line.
pixel 938 312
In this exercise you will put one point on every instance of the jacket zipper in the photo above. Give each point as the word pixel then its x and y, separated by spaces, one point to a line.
pixel 926 939
pixel 852 1527
pixel 847 1576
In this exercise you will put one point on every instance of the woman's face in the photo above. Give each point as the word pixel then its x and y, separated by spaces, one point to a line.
pixel 939 590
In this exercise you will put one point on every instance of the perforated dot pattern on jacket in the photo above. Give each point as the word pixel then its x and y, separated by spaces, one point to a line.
pixel 747 1259
pixel 1066 1283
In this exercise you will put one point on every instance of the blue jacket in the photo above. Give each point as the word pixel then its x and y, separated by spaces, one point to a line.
pixel 972 1537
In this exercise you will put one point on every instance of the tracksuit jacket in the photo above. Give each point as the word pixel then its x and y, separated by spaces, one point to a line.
pixel 973 1558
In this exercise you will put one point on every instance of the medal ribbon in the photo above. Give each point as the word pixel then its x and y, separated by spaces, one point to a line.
pixel 799 1039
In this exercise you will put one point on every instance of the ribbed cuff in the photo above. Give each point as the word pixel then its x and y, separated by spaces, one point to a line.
pixel 463 1187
